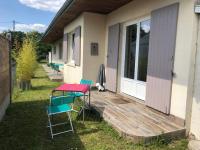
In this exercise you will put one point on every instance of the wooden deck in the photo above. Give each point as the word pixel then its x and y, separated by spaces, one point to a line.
pixel 52 74
pixel 133 120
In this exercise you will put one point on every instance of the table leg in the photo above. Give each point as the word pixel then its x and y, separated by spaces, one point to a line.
pixel 83 108
pixel 89 98
pixel 52 93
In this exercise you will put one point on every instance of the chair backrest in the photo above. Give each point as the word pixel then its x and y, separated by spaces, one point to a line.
pixel 88 82
pixel 59 100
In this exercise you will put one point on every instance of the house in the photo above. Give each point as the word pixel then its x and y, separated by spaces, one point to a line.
pixel 56 55
pixel 148 47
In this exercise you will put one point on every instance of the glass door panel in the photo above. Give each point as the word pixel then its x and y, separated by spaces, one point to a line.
pixel 143 50
pixel 130 51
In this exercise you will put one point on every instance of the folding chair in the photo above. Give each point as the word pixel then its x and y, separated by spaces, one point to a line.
pixel 58 105
pixel 79 94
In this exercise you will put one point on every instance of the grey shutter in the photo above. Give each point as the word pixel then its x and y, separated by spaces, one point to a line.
pixel 77 46
pixel 160 59
pixel 112 57
pixel 65 52
pixel 60 51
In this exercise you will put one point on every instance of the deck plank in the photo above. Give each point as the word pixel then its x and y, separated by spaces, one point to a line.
pixel 133 120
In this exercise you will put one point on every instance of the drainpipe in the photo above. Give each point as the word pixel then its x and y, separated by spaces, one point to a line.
pixel 189 102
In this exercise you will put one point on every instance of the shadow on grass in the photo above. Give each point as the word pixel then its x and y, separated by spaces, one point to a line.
pixel 39 77
pixel 24 127
pixel 42 87
pixel 90 115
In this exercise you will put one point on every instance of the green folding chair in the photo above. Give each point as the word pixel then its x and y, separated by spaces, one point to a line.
pixel 79 94
pixel 59 105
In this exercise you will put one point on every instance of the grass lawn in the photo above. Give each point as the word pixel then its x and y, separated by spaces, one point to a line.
pixel 24 126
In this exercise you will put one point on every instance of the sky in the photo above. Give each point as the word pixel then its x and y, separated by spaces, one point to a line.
pixel 29 14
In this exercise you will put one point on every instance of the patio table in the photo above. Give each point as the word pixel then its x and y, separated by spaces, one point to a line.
pixel 83 88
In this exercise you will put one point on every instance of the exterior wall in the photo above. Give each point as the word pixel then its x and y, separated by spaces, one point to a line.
pixel 94 31
pixel 73 74
pixel 195 121
pixel 185 46
pixel 55 57
pixel 185 36
pixel 49 57
pixel 4 76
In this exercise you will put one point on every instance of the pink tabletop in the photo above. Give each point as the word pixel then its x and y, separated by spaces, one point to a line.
pixel 73 88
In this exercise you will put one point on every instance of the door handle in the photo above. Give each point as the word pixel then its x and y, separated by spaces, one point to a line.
pixel 173 74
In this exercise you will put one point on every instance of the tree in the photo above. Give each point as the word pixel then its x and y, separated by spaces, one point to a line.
pixel 41 48
pixel 17 40
pixel 26 63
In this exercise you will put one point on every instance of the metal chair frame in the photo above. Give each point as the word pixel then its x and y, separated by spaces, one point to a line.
pixel 68 112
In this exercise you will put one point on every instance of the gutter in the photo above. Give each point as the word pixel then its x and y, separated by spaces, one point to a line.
pixel 64 8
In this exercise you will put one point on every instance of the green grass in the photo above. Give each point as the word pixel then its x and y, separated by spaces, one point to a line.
pixel 24 126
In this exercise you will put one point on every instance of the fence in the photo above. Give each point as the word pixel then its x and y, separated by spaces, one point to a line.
pixel 4 76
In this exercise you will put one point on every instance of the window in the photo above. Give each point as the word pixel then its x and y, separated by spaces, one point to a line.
pixel 131 39
pixel 54 50
pixel 71 46
pixel 60 51
pixel 136 50
pixel 143 50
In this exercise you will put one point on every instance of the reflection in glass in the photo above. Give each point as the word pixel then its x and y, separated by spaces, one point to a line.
pixel 131 37
pixel 143 50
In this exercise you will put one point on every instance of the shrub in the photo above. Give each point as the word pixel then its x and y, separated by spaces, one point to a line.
pixel 26 63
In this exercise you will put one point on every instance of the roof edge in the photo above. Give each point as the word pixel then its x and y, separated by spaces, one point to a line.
pixel 64 7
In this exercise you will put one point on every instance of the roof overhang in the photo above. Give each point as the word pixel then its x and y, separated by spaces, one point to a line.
pixel 71 9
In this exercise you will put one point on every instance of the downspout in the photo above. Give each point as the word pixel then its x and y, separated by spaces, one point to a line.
pixel 189 102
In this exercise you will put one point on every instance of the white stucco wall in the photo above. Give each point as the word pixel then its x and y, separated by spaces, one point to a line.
pixel 195 113
pixel 94 31
pixel 184 45
pixel 73 74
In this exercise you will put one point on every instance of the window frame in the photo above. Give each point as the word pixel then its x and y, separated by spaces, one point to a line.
pixel 60 57
pixel 70 48
pixel 54 50
pixel 124 36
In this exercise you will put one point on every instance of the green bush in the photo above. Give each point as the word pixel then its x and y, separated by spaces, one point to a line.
pixel 26 63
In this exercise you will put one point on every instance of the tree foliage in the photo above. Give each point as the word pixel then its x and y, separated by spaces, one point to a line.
pixel 26 60
pixel 17 38
pixel 41 48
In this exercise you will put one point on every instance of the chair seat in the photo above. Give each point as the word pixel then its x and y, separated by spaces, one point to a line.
pixel 58 109
pixel 76 94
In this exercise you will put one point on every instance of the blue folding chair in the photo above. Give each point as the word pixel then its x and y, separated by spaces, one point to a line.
pixel 79 94
pixel 58 105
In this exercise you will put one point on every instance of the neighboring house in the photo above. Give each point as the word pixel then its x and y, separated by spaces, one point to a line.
pixel 148 48
pixel 56 54
pixel 5 89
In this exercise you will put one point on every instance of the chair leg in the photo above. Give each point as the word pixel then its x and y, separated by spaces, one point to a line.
pixel 69 115
pixel 50 126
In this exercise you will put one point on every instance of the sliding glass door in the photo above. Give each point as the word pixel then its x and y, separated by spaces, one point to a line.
pixel 135 58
